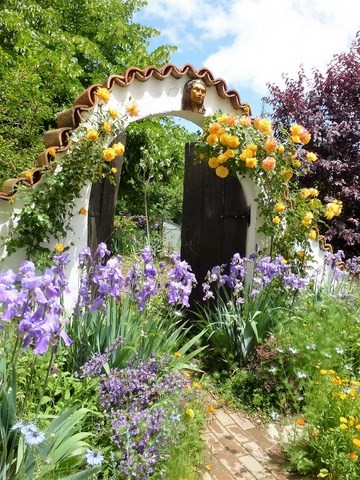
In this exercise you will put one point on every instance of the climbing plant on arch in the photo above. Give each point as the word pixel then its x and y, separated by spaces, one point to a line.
pixel 238 145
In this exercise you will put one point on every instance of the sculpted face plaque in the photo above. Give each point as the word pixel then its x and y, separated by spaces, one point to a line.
pixel 194 96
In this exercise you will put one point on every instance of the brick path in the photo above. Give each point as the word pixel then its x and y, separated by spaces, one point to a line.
pixel 238 449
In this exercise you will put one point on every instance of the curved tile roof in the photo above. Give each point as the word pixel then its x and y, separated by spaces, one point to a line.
pixel 70 119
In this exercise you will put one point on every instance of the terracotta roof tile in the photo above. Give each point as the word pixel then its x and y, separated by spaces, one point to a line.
pixel 70 119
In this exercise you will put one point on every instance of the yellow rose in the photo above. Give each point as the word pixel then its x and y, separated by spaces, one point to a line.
pixel 311 157
pixel 103 94
pixel 276 220
pixel 52 151
pixel 212 139
pixel 83 211
pixel 306 221
pixel 222 171
pixel 119 149
pixel 270 145
pixel 279 207
pixel 224 139
pixel 133 110
pixel 233 141
pixel 213 162
pixel 313 234
pixel 109 154
pixel 222 158
pixel 251 162
pixel 114 113
pixel 92 134
pixel 107 127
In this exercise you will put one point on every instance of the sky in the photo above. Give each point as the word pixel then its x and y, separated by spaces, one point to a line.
pixel 249 43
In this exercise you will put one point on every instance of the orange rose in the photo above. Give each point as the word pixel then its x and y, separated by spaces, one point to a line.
pixel 269 164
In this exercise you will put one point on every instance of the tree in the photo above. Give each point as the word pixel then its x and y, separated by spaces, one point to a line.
pixel 328 105
pixel 50 51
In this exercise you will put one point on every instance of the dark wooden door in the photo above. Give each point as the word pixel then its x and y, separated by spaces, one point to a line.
pixel 215 219
pixel 102 204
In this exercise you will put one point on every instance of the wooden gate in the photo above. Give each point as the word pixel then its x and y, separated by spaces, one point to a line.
pixel 215 219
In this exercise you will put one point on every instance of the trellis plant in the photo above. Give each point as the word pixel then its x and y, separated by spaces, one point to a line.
pixel 49 207
pixel 238 145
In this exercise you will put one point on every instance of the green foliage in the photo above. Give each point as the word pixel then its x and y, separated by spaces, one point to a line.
pixel 55 197
pixel 156 165
pixel 50 51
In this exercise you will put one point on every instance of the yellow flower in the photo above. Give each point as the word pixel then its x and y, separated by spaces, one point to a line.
pixel 281 149
pixel 263 125
pixel 343 426
pixel 114 113
pixel 280 207
pixel 223 118
pixel 107 127
pixel 190 412
pixel 83 211
pixel 222 158
pixel 52 151
pixel 300 421
pixel 333 209
pixel 313 234
pixel 353 456
pixel 297 163
pixel 222 171
pixel 29 175
pixel 251 162
pixel 215 128
pixel 229 153
pixel 109 154
pixel 119 149
pixel 276 220
pixel 306 221
pixel 311 157
pixel 92 134
pixel 210 409
pixel 233 141
pixel 356 442
pixel 270 145
pixel 103 94
pixel 314 192
pixel 212 139
pixel 132 109
pixel 213 162
pixel 304 193
pixel 113 170
pixel 59 247
pixel 224 139
pixel 287 175
pixel 178 354
pixel 197 385
pixel 245 121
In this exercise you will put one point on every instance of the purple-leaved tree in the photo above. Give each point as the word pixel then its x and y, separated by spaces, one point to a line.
pixel 328 105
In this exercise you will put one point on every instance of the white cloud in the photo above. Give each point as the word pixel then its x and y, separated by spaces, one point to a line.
pixel 252 42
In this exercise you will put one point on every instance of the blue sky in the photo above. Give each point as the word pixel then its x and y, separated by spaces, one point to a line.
pixel 249 43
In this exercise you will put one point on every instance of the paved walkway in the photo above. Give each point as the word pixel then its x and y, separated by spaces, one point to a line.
pixel 236 448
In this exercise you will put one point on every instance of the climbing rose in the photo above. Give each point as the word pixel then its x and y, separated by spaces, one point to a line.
pixel 109 154
pixel 103 94
pixel 222 171
pixel 119 149
pixel 268 164
pixel 92 134
pixel 133 110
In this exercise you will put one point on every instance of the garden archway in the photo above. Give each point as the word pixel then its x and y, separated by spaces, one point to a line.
pixel 157 92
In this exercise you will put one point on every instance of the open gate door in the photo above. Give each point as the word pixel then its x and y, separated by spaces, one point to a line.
pixel 102 203
pixel 215 219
